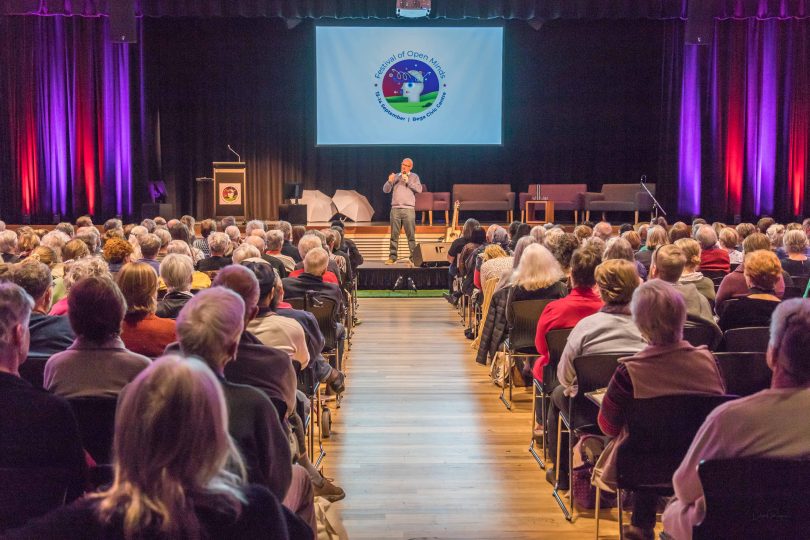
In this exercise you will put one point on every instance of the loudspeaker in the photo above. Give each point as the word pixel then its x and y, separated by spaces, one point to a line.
pixel 123 25
pixel 151 210
pixel 431 254
pixel 296 214
pixel 699 22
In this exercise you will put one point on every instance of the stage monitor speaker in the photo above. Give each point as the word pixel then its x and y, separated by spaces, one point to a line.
pixel 700 22
pixel 296 214
pixel 123 24
pixel 431 254
pixel 152 210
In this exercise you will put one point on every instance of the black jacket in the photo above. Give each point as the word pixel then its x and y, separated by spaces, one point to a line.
pixel 214 262
pixel 49 335
pixel 495 326
pixel 171 304
pixel 290 250
pixel 297 287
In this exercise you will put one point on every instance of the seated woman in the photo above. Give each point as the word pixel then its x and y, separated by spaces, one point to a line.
pixel 143 332
pixel 762 271
pixel 75 271
pixel 177 272
pixel 795 263
pixel 199 280
pixel 495 262
pixel 538 276
pixel 729 239
pixel 656 237
pixel 177 472
pixel 117 252
pixel 691 250
pixel 610 330
pixel 97 363
pixel 667 366
pixel 619 248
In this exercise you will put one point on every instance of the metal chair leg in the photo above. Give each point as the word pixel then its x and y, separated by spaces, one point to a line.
pixel 621 513
pixel 566 512
pixel 596 510
pixel 507 380
pixel 541 461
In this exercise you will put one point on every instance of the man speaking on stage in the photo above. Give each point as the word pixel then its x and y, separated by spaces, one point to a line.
pixel 404 185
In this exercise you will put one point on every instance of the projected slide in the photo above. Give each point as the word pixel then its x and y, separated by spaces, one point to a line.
pixel 392 86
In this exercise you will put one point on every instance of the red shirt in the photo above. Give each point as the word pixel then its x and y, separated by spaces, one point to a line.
pixel 328 276
pixel 563 313
pixel 714 259
pixel 148 336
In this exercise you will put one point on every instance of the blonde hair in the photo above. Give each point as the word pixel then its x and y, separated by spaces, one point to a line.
pixel 656 236
pixel 138 282
pixel 729 238
pixel 493 251
pixel 691 250
pixel 177 271
pixel 171 450
pixel 795 241
pixel 616 279
pixel 537 269
pixel 85 267
pixel 762 268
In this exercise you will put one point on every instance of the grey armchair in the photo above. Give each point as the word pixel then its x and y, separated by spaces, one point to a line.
pixel 618 198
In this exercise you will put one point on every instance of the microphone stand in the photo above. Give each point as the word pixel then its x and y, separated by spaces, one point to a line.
pixel 238 157
pixel 656 205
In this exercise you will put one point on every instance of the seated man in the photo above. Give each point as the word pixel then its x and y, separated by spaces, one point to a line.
pixel 38 429
pixel 289 249
pixel 97 363
pixel 150 245
pixel 312 240
pixel 257 240
pixel 749 426
pixel 713 258
pixel 8 246
pixel 275 242
pixel 218 244
pixel 667 265
pixel 49 334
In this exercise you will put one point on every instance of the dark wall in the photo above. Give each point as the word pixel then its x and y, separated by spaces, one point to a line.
pixel 583 102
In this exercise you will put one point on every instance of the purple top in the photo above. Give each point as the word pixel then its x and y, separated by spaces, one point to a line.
pixel 403 196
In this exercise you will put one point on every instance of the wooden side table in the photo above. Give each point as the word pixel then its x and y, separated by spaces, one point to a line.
pixel 548 207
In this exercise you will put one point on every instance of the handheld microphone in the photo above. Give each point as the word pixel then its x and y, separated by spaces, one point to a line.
pixel 238 157
pixel 643 178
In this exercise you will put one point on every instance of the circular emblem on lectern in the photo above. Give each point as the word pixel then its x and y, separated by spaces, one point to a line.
pixel 230 194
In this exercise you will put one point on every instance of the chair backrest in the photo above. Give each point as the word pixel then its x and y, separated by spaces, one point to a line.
pixel 714 274
pixel 792 292
pixel 744 373
pixel 481 192
pixel 522 316
pixel 33 370
pixel 800 282
pixel 624 192
pixel 96 419
pixel 699 332
pixel 755 498
pixel 749 339
pixel 563 192
pixel 660 431
pixel 296 303
pixel 555 342
pixel 326 315
pixel 593 371
pixel 29 493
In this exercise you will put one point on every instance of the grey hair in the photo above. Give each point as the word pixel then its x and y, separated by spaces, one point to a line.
pixel 218 242
pixel 233 232
pixel 245 251
pixel 164 235
pixel 255 241
pixel 86 267
pixel 307 242
pixel 275 240
pixel 652 299
pixel 790 338
pixel 286 228
pixel 15 309
pixel 706 237
pixel 775 233
pixel 795 241
pixel 253 224
pixel 521 245
pixel 179 247
pixel 210 323
pixel 8 241
pixel 177 271
pixel 538 232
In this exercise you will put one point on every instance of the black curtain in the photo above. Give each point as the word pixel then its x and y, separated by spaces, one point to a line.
pixel 584 101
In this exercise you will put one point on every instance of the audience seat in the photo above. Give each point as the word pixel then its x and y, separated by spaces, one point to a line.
pixel 29 493
pixel 555 342
pixel 33 370
pixel 744 373
pixel 699 332
pixel 755 498
pixel 96 419
pixel 749 339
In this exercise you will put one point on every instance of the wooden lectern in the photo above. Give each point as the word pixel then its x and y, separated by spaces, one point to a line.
pixel 230 198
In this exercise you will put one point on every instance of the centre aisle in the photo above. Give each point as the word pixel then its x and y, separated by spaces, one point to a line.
pixel 422 445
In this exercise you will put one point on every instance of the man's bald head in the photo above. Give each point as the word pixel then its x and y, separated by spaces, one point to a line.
pixel 241 281
pixel 603 230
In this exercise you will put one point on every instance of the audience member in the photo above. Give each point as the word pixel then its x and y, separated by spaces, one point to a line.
pixel 619 248
pixel 143 332
pixel 199 280
pixel 747 427
pixel 496 263
pixel 207 226
pixel 690 275
pixel 762 271
pixel 312 240
pixel 538 276
pixel 667 366
pixel 656 237
pixel 97 363
pixel 275 243
pixel 633 239
pixel 795 261
pixel 603 230
pixel 177 272
pixel 668 263
pixel 150 245
pixel 562 250
pixel 218 245
pixel 257 240
pixel 8 246
pixel 679 230
pixel 729 239
pixel 117 252
pixel 75 271
pixel 713 258
pixel 735 283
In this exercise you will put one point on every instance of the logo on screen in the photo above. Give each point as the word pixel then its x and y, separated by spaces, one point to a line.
pixel 410 86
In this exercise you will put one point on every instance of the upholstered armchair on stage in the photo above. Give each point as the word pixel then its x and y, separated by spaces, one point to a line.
pixel 619 198
pixel 429 201
pixel 485 197
pixel 566 197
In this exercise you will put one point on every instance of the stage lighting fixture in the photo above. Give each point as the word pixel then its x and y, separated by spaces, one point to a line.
pixel 413 9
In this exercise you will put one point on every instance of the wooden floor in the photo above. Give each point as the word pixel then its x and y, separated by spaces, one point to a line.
pixel 422 445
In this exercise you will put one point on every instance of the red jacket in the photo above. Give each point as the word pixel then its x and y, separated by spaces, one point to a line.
pixel 715 259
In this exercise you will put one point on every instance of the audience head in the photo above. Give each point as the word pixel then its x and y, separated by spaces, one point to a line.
pixel 795 242
pixel 257 241
pixel 728 238
pixel 35 279
pixel 210 324
pixel 643 229
pixel 524 229
pixel 117 251
pixel 243 282
pixel 764 223
pixel 594 242
pixel 149 224
pixel 650 300
pixel 179 231
pixel 15 312
pixel 177 271
pixel 307 243
pixel 189 222
pixel 633 239
pixel 616 279
pixel 316 261
pixel 520 246
pixel 513 228
pixel 86 319
pixel 207 226
pixel 775 233
pixel 160 221
pixel 583 266
pixel 150 245
pixel 538 233
pixel 139 284
pixel 164 236
pixel 494 251
pixel 179 247
pixel 45 255
pixel 8 242
pixel 603 230
pixel 275 240
pixel 624 227
pixel 218 243
pixel 84 221
pixel 112 224
pixel 706 237
pixel 537 269
pixel 619 248
pixel 234 234
pixel 762 270
pixel 656 237
pixel 745 229
pixel 56 241
pixel 84 268
pixel 691 252
pixel 582 232
pixel 254 225
pixel 266 278
pixel 244 252
pixel 91 238
pixel 755 241
pixel 298 232
pixel 227 221
pixel 668 262
pixel 563 249
pixel 500 236
pixel 171 447
pixel 679 230
pixel 478 236
pixel 286 229
pixel 789 343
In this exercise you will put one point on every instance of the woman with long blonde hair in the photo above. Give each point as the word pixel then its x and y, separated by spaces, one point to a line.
pixel 538 275
pixel 177 472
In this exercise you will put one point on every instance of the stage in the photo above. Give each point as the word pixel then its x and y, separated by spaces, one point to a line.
pixel 375 275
